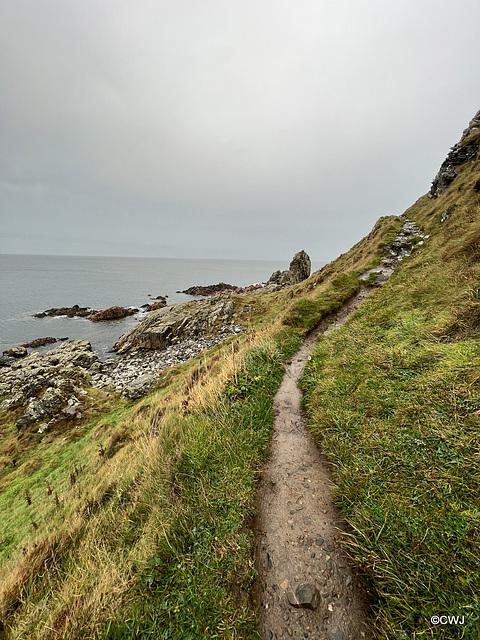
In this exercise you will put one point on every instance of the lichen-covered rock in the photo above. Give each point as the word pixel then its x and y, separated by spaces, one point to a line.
pixel 168 326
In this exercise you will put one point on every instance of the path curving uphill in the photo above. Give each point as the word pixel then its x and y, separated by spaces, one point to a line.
pixel 307 586
pixel 306 583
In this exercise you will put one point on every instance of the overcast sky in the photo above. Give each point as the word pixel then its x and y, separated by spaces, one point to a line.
pixel 217 129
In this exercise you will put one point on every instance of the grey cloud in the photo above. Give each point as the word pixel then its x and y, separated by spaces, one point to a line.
pixel 215 129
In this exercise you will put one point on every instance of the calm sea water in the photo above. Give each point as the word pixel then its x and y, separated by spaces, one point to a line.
pixel 30 284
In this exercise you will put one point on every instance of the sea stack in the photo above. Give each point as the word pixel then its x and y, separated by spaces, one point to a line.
pixel 299 270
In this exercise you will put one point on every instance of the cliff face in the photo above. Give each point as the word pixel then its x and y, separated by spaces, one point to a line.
pixel 464 151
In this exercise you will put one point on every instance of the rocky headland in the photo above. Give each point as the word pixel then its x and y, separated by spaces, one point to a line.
pixel 46 388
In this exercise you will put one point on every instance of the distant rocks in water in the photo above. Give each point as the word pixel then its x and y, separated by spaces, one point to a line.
pixel 72 312
pixel 154 306
pixel 208 290
pixel 40 342
pixel 164 298
pixel 16 352
pixel 299 270
pixel 219 289
pixel 168 326
pixel 112 313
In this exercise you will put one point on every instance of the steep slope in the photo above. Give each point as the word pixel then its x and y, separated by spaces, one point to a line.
pixel 393 399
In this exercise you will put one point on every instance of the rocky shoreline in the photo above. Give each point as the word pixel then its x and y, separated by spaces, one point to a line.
pixel 52 387
pixel 135 373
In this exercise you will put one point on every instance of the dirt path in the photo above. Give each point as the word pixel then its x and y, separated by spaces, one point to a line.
pixel 299 553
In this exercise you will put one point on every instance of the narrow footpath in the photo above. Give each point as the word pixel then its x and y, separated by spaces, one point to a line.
pixel 307 585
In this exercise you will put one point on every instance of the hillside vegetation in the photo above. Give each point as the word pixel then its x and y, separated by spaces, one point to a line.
pixel 140 523
pixel 393 398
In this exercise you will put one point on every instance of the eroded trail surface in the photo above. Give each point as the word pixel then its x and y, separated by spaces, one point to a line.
pixel 300 559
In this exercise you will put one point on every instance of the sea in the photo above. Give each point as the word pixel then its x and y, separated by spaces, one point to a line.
pixel 31 284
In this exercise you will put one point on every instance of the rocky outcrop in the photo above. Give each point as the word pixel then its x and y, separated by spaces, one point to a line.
pixel 209 289
pixel 409 237
pixel 154 306
pixel 39 342
pixel 43 384
pixel 464 151
pixel 16 352
pixel 112 313
pixel 298 271
pixel 172 324
pixel 71 312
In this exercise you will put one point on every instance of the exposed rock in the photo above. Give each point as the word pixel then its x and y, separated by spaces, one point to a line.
pixel 299 270
pixel 112 313
pixel 209 289
pixel 122 372
pixel 16 352
pixel 39 342
pixel 155 305
pixel 304 595
pixel 464 151
pixel 140 386
pixel 43 383
pixel 71 312
pixel 167 326
pixel 401 247
pixel 300 266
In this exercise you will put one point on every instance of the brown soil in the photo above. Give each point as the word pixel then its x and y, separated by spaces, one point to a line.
pixel 299 530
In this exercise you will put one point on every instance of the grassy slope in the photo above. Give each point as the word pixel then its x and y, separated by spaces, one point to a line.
pixel 393 398
pixel 150 534
pixel 152 537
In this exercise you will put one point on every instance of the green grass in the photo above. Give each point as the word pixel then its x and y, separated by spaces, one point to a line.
pixel 200 581
pixel 306 313
pixel 394 402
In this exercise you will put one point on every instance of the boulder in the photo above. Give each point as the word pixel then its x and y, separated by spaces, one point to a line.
pixel 155 305
pixel 140 386
pixel 161 328
pixel 112 313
